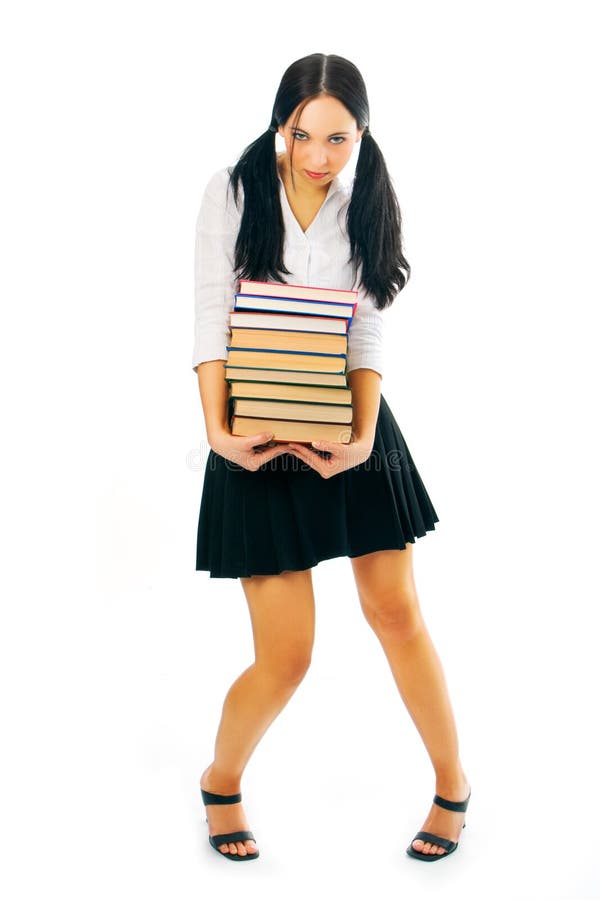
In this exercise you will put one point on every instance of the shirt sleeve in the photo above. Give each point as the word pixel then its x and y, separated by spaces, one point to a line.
pixel 215 282
pixel 365 336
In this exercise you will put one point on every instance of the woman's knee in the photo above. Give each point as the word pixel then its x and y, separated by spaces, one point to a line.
pixel 387 591
pixel 287 665
pixel 397 609
pixel 282 609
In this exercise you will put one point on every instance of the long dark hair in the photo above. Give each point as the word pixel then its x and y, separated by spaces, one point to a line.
pixel 373 218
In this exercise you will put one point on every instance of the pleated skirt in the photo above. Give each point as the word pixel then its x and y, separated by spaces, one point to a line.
pixel 287 517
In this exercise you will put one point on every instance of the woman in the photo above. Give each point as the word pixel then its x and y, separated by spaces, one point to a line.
pixel 271 512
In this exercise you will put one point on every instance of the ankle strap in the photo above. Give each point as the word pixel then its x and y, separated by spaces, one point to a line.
pixel 454 805
pixel 209 797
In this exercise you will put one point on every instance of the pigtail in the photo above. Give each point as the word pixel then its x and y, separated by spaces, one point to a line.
pixel 260 241
pixel 374 223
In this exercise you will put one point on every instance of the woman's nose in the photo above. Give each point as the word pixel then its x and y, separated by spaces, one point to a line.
pixel 319 161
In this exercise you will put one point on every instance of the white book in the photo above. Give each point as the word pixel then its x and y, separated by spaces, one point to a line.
pixel 286 321
pixel 308 307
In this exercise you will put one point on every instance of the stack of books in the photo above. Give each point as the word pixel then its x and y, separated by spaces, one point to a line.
pixel 286 364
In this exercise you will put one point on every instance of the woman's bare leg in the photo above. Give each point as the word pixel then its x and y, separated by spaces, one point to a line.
pixel 388 596
pixel 282 611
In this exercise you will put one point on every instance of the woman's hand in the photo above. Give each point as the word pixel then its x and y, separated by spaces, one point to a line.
pixel 342 456
pixel 247 452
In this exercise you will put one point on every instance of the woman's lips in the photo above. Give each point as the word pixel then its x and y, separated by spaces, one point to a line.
pixel 315 174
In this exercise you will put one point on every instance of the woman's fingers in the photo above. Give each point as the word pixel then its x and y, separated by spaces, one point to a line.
pixel 313 459
pixel 256 439
pixel 257 458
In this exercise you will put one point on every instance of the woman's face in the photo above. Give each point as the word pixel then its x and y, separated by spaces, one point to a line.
pixel 325 137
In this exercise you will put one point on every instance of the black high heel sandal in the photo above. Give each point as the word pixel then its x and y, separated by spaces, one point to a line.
pixel 215 840
pixel 449 846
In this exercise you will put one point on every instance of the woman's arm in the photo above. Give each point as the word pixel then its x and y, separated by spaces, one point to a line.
pixel 215 284
pixel 215 281
pixel 214 395
pixel 365 385
pixel 364 371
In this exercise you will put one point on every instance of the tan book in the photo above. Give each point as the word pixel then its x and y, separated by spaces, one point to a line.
pixel 305 412
pixel 298 392
pixel 265 359
pixel 283 376
pixel 301 341
pixel 283 430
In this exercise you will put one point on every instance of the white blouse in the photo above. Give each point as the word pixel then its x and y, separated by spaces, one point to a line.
pixel 317 257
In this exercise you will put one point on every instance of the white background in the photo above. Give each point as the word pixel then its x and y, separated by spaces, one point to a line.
pixel 116 654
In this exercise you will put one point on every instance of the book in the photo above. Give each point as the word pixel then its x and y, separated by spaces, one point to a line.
pixel 289 304
pixel 298 392
pixel 283 376
pixel 300 341
pixel 299 291
pixel 301 412
pixel 285 430
pixel 307 362
pixel 288 320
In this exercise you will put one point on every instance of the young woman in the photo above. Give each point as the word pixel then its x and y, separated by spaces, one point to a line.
pixel 271 512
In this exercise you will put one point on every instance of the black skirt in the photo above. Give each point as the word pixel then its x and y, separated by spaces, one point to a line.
pixel 285 516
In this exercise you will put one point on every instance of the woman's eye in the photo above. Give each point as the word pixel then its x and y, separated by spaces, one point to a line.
pixel 299 136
